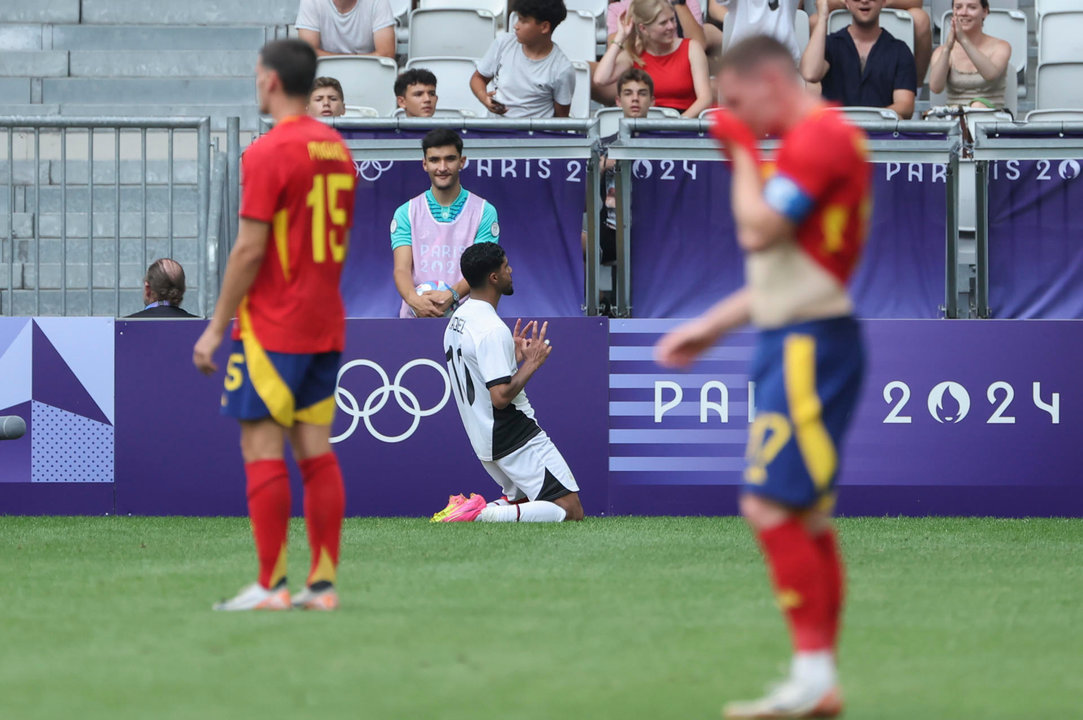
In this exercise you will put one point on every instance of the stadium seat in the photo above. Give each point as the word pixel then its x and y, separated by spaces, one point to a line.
pixel 451 33
pixel 1041 7
pixel 577 36
pixel 1060 37
pixel 498 8
pixel 1055 115
pixel 366 80
pixel 1010 25
pixel 595 8
pixel 897 22
pixel 1059 85
pixel 859 113
pixel 452 82
pixel 361 111
pixel 609 118
pixel 801 29
pixel 581 96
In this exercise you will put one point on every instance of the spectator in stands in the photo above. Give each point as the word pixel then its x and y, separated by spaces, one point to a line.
pixel 430 232
pixel 971 65
pixel 647 38
pixel 690 22
pixel 326 99
pixel 923 29
pixel 534 78
pixel 635 97
pixel 163 291
pixel 347 27
pixel 415 92
pixel 773 18
pixel 861 64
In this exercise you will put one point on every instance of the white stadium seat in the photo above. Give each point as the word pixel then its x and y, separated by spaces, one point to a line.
pixel 1055 115
pixel 452 83
pixel 1060 37
pixel 451 32
pixel 1059 85
pixel 596 8
pixel 581 96
pixel 361 111
pixel 859 113
pixel 897 22
pixel 498 8
pixel 577 37
pixel 366 81
pixel 1041 7
pixel 801 29
pixel 609 118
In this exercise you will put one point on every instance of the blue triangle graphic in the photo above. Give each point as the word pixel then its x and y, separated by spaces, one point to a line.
pixel 55 384
pixel 9 330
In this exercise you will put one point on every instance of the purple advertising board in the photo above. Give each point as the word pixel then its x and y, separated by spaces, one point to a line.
pixel 1036 239
pixel 956 417
pixel 397 430
pixel 685 254
pixel 540 205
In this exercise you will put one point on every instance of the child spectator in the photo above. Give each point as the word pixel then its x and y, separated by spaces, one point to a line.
pixel 415 92
pixel 647 38
pixel 347 27
pixel 326 99
pixel 534 79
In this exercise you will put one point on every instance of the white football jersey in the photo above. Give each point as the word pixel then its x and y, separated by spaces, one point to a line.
pixel 480 353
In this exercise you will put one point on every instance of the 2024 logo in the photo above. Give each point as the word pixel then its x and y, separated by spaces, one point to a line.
pixel 950 403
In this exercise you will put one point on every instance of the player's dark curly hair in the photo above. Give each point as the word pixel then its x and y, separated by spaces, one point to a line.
pixel 551 11
pixel 165 277
pixel 441 137
pixel 413 76
pixel 295 63
pixel 479 260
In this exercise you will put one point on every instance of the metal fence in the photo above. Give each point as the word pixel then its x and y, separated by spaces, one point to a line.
pixel 89 202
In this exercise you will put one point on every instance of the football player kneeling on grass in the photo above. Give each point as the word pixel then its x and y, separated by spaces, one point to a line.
pixel 489 366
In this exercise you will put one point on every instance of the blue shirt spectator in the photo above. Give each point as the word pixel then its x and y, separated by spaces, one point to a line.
pixel 889 67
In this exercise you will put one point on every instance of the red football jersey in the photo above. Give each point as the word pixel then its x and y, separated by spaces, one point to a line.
pixel 299 178
pixel 826 157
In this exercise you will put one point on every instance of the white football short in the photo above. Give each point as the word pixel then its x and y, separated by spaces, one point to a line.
pixel 536 471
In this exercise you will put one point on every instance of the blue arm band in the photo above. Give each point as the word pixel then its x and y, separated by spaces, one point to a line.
pixel 785 197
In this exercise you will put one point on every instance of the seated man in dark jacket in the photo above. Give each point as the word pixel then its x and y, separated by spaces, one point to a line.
pixel 163 291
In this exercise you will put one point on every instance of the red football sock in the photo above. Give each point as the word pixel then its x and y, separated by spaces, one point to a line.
pixel 269 509
pixel 800 581
pixel 325 504
pixel 827 544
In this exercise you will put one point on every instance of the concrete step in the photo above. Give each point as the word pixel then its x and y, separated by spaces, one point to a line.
pixel 21 37
pixel 184 199
pixel 41 11
pixel 23 223
pixel 105 172
pixel 185 225
pixel 149 37
pixel 160 63
pixel 49 302
pixel 33 63
pixel 245 110
pixel 51 252
pixel 142 94
pixel 104 275
pixel 15 90
pixel 190 12
pixel 27 109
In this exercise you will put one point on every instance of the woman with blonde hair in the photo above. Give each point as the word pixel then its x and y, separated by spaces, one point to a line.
pixel 647 38
pixel 971 65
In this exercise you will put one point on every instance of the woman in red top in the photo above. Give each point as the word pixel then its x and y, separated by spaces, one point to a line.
pixel 647 37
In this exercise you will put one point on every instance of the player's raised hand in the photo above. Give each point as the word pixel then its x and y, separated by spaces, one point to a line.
pixel 519 335
pixel 733 134
pixel 536 349
pixel 680 347
pixel 203 352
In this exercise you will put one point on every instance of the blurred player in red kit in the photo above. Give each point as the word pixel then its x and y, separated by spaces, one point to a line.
pixel 282 285
pixel 802 229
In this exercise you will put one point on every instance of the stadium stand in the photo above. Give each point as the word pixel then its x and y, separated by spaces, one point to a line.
pixel 577 36
pixel 452 32
pixel 498 8
pixel 452 82
pixel 367 81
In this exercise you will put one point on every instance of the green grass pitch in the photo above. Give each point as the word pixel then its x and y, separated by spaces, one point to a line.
pixel 612 618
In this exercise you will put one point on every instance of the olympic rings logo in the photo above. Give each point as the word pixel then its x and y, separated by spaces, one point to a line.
pixel 371 170
pixel 377 399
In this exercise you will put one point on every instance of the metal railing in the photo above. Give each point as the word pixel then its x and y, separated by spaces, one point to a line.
pixel 50 143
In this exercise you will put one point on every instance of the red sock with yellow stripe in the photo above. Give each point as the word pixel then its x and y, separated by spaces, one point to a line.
pixel 801 583
pixel 325 504
pixel 269 509
pixel 827 544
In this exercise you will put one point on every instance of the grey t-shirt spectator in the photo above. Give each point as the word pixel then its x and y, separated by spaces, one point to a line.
pixel 528 88
pixel 350 33
pixel 755 17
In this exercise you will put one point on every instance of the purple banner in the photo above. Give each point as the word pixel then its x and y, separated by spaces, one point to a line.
pixel 685 254
pixel 540 204
pixel 1036 239
pixel 400 440
pixel 936 432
